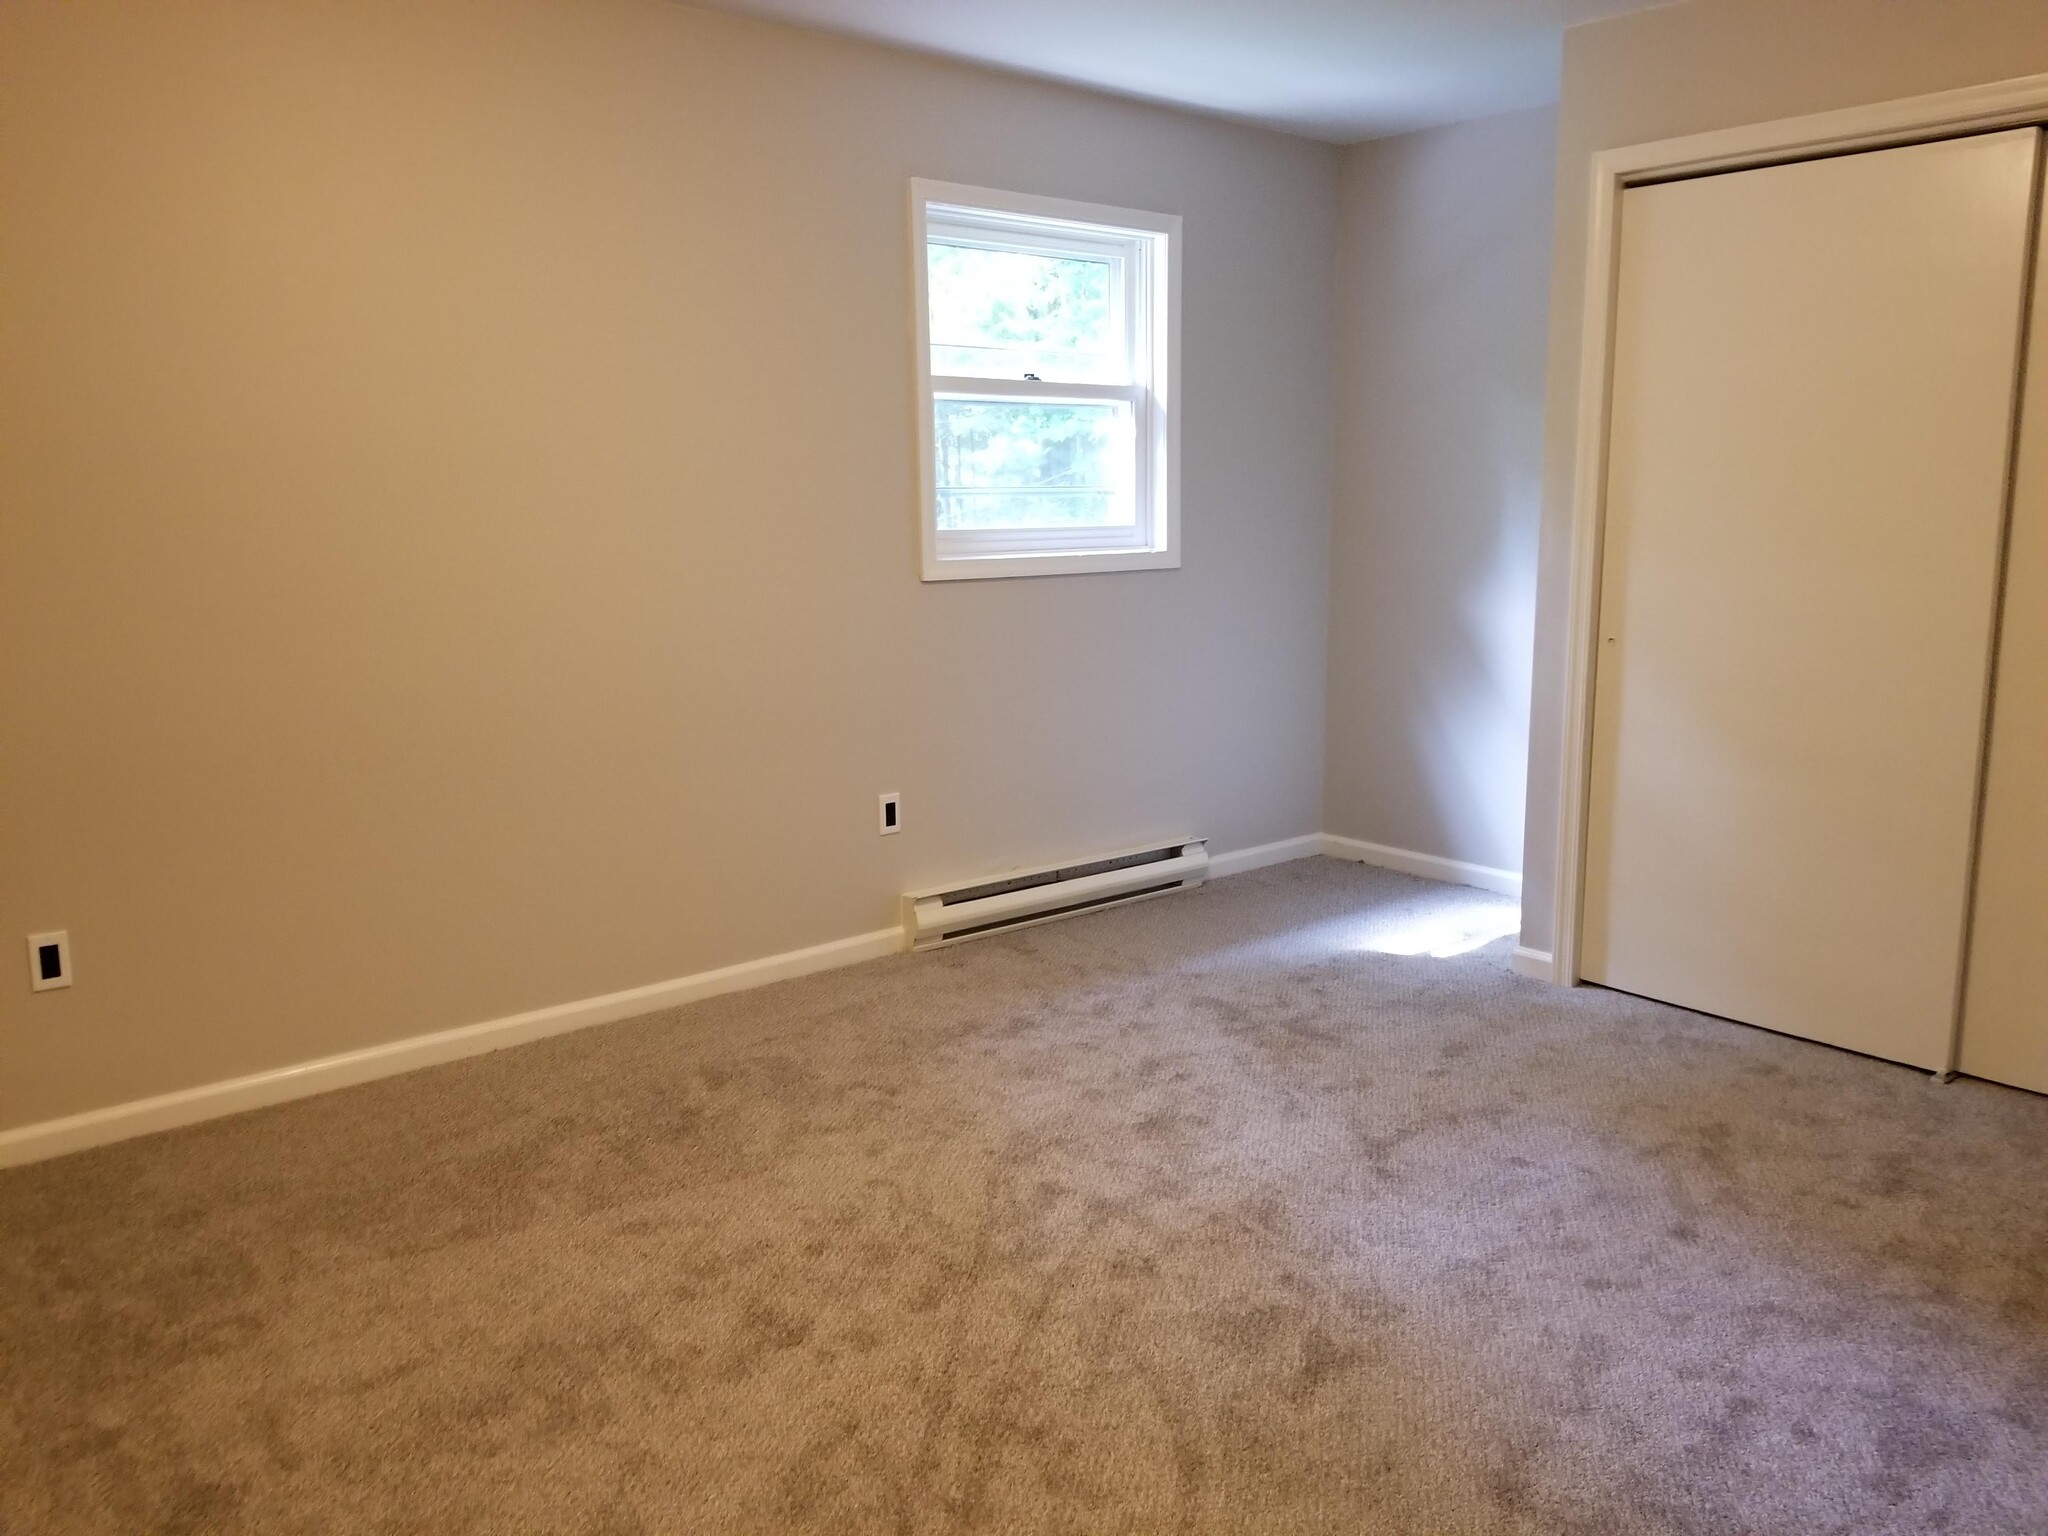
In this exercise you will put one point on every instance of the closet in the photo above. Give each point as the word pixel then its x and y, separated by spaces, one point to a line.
pixel 1820 711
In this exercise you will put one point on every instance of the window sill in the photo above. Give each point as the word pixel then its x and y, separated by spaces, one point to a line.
pixel 1078 563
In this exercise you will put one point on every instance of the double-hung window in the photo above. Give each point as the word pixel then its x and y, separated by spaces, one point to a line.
pixel 1047 341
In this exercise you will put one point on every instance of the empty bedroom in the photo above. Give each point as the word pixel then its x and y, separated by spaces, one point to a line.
pixel 1044 766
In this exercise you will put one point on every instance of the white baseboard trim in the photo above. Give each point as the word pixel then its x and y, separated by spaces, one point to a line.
pixel 1305 847
pixel 209 1101
pixel 1428 865
pixel 1536 964
pixel 118 1122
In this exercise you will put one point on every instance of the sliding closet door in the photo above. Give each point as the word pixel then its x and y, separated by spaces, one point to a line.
pixel 1812 411
pixel 2005 1008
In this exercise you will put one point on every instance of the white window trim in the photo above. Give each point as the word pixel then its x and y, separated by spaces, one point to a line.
pixel 1155 542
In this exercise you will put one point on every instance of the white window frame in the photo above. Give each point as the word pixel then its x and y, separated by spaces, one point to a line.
pixel 1146 251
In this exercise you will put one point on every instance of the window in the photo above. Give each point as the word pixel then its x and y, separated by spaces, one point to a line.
pixel 1047 336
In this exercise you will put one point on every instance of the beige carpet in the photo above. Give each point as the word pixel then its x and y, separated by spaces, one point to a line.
pixel 1206 1215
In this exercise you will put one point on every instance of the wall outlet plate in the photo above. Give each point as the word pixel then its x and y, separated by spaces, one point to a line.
pixel 49 961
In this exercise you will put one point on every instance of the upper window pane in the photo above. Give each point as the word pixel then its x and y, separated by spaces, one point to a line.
pixel 1003 314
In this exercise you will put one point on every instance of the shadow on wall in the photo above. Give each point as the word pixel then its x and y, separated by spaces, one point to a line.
pixel 1446 272
pixel 1469 734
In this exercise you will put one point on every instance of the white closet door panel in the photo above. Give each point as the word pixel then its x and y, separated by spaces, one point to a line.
pixel 1812 414
pixel 2005 1008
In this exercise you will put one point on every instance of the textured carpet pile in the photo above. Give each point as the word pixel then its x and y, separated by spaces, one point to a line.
pixel 1207 1215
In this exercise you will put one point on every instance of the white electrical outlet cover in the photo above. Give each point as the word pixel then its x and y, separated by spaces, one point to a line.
pixel 37 943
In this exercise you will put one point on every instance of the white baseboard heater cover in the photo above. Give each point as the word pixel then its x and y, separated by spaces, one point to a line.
pixel 1032 896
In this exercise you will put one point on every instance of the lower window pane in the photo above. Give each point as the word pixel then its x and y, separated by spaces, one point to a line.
pixel 1033 463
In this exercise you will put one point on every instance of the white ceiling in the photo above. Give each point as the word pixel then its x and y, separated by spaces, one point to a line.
pixel 1334 69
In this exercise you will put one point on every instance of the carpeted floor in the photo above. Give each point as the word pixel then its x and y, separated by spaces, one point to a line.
pixel 1206 1215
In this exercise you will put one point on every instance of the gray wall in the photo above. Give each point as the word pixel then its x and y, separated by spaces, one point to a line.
pixel 456 466
pixel 1443 295
pixel 1688 69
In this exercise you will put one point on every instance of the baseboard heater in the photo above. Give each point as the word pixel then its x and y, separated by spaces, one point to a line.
pixel 1034 896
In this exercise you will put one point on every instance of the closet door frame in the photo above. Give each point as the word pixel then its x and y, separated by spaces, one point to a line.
pixel 2017 103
